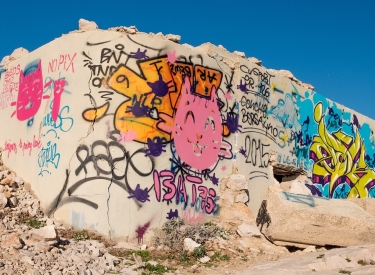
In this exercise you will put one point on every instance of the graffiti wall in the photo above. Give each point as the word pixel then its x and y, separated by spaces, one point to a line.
pixel 119 133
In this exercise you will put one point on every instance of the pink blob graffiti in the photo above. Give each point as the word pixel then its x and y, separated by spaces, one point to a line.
pixel 197 130
pixel 29 93
pixel 58 89
pixel 140 231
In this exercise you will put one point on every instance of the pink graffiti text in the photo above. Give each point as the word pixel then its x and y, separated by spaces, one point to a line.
pixel 29 145
pixel 64 62
pixel 10 87
pixel 167 179
pixel 10 147
pixel 23 145
pixel 191 216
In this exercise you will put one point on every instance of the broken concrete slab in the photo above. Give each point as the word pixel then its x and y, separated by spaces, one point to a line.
pixel 298 186
pixel 85 25
pixel 48 232
pixel 367 204
pixel 247 230
pixel 190 245
pixel 302 220
pixel 18 53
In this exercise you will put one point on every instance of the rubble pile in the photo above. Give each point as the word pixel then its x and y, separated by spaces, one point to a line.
pixel 34 244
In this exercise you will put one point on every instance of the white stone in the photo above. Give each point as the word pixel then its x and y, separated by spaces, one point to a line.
pixel 85 25
pixel 204 259
pixel 94 272
pixel 13 201
pixel 132 29
pixel 154 263
pixel 47 232
pixel 240 54
pixel 190 245
pixel 243 197
pixel 237 182
pixel 49 221
pixel 3 200
pixel 286 73
pixel 254 250
pixel 309 249
pixel 18 180
pixel 173 37
pixel 255 61
pixel 126 245
pixel 27 259
pixel 129 271
pixel 247 230
pixel 335 262
pixel 297 219
pixel 299 187
pixel 228 197
pixel 242 243
pixel 308 86
pixel 188 46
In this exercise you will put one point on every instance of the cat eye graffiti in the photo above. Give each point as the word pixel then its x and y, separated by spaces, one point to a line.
pixel 210 121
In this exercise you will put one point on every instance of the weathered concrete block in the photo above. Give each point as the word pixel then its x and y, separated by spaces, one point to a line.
pixel 237 182
pixel 47 232
pixel 247 230
pixel 299 187
pixel 242 197
pixel 190 245
pixel 367 204
pixel 85 25
pixel 310 220
pixel 3 200
pixel 11 240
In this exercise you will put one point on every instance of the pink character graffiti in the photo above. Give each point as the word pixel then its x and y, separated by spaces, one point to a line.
pixel 197 129
pixel 30 94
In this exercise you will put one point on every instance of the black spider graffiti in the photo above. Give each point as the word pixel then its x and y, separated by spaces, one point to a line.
pixel 155 146
pixel 138 109
pixel 138 54
pixel 159 88
pixel 243 152
pixel 263 216
pixel 139 193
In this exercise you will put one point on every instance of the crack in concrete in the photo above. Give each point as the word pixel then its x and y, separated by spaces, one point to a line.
pixel 93 103
pixel 108 220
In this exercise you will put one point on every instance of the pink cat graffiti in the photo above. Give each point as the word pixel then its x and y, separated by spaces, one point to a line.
pixel 197 129
pixel 29 94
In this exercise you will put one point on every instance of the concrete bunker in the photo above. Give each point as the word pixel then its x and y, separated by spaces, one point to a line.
pixel 127 130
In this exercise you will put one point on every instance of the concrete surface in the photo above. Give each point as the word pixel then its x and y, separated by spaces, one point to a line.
pixel 118 130
pixel 327 260
pixel 307 220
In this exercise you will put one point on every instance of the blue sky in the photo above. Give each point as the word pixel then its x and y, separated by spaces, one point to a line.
pixel 329 44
